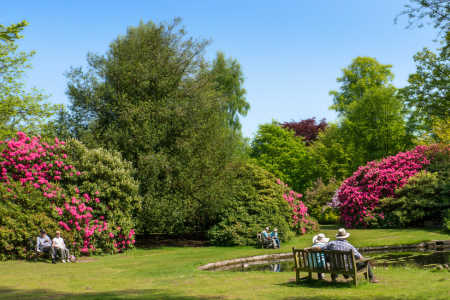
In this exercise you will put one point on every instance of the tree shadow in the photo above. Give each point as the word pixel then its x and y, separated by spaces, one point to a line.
pixel 8 293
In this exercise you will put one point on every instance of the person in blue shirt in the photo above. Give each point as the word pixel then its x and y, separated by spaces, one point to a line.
pixel 44 244
pixel 318 260
pixel 266 237
pixel 274 235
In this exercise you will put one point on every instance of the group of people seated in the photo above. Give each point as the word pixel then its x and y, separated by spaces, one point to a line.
pixel 45 244
pixel 320 242
pixel 272 238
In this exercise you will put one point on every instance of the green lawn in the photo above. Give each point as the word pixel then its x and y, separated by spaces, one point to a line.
pixel 171 273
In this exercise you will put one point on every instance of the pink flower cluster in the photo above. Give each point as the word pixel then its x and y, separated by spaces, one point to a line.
pixel 360 193
pixel 299 208
pixel 28 161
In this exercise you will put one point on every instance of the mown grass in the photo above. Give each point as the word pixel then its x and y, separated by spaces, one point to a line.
pixel 171 273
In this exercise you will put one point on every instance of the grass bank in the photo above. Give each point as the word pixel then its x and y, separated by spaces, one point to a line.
pixel 171 273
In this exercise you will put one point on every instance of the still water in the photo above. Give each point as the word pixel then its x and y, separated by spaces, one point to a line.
pixel 418 259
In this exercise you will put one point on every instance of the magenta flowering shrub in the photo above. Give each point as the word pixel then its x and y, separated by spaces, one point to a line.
pixel 300 218
pixel 360 194
pixel 32 173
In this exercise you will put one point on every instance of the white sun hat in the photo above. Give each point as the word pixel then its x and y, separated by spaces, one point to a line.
pixel 342 234
pixel 320 239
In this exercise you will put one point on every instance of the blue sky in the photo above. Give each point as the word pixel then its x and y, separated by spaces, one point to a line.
pixel 291 51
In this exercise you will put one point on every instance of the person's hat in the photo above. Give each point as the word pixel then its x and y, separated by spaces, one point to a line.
pixel 267 228
pixel 43 231
pixel 274 229
pixel 342 234
pixel 320 239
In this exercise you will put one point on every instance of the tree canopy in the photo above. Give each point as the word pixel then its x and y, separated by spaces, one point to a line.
pixel 153 98
pixel 19 110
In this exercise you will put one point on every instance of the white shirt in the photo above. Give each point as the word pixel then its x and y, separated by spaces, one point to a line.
pixel 59 242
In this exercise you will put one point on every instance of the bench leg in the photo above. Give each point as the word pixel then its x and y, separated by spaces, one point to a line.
pixel 310 275
pixel 297 276
pixel 355 279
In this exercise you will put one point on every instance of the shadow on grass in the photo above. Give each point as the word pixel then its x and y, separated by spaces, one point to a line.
pixel 341 288
pixel 7 293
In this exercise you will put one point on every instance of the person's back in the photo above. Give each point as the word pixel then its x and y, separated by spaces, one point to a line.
pixel 318 259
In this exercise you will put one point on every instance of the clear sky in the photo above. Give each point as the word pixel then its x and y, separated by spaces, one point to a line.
pixel 291 51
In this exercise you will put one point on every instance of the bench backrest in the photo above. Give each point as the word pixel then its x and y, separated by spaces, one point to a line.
pixel 313 261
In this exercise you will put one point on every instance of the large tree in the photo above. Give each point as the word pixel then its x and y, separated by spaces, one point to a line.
pixel 277 150
pixel 19 110
pixel 363 74
pixel 230 80
pixel 153 97
pixel 428 96
pixel 372 115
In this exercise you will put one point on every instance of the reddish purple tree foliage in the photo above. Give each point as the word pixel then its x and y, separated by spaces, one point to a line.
pixel 308 128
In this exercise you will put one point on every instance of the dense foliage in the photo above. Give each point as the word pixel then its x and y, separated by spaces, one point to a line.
pixel 259 200
pixel 277 150
pixel 318 196
pixel 38 192
pixel 402 190
pixel 156 99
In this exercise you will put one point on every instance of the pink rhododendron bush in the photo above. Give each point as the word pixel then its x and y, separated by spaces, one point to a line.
pixel 302 222
pixel 363 197
pixel 59 186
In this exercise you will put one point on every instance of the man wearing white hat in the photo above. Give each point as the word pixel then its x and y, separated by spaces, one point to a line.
pixel 265 235
pixel 341 244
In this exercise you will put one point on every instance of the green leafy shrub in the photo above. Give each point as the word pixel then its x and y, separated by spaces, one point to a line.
pixel 325 215
pixel 23 212
pixel 106 172
pixel 318 196
pixel 423 198
pixel 256 201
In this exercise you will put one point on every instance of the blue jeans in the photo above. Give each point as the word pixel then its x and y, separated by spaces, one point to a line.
pixel 278 242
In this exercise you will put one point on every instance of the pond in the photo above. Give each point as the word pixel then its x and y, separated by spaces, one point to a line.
pixel 380 260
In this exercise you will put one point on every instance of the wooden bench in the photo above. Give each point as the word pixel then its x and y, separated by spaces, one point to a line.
pixel 336 262
pixel 260 240
pixel 32 242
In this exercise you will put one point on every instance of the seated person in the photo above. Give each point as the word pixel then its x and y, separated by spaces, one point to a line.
pixel 274 235
pixel 318 260
pixel 58 244
pixel 266 237
pixel 341 244
pixel 44 244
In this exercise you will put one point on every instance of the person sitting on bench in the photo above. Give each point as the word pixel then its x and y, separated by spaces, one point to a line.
pixel 266 237
pixel 58 243
pixel 44 244
pixel 341 244
pixel 274 235
pixel 317 259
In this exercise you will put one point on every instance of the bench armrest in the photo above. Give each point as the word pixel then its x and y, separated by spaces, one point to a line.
pixel 363 259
